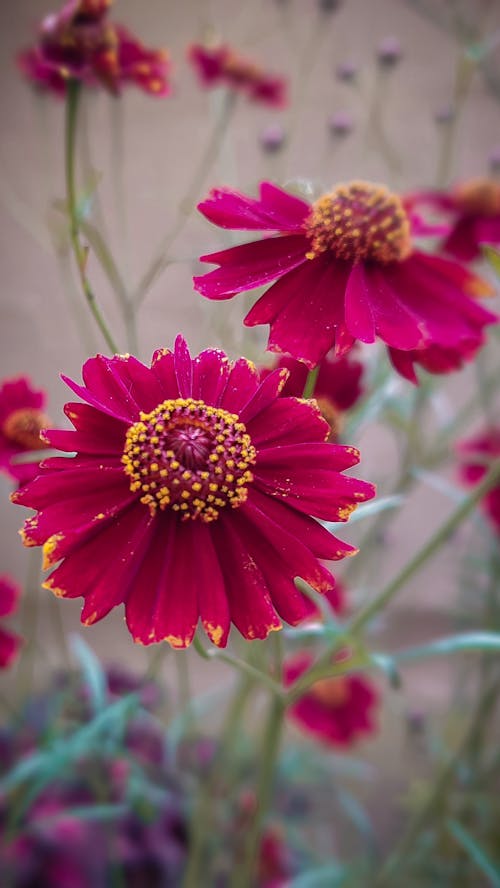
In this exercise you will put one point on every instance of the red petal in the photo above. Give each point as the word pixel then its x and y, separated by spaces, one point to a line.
pixel 250 265
pixel 288 421
pixel 211 371
pixel 358 305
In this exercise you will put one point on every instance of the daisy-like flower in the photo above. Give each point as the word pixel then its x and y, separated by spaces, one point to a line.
pixel 474 453
pixel 22 418
pixel 474 209
pixel 336 711
pixel 221 65
pixel 345 268
pixel 79 43
pixel 190 497
pixel 9 641
pixel 337 388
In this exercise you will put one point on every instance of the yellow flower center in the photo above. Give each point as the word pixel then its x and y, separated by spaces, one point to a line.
pixel 479 197
pixel 359 221
pixel 23 427
pixel 189 457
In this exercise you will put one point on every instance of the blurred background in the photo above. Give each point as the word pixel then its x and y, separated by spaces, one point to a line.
pixel 425 119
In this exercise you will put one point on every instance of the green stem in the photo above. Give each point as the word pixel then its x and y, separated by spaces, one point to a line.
pixel 463 78
pixel 203 813
pixel 312 378
pixel 79 250
pixel 242 666
pixel 245 877
pixel 366 614
pixel 426 814
pixel 205 164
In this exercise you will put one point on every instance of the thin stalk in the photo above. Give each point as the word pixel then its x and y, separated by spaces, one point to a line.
pixel 366 614
pixel 463 79
pixel 310 385
pixel 79 250
pixel 205 164
pixel 425 815
pixel 372 608
pixel 203 813
pixel 245 877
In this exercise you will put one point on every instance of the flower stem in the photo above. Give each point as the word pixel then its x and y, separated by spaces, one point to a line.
pixel 245 877
pixel 366 614
pixel 80 252
pixel 310 385
pixel 205 164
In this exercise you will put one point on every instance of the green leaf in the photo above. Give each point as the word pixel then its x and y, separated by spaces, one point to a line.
pixel 477 854
pixel 92 672
pixel 482 642
pixel 492 256
pixel 330 876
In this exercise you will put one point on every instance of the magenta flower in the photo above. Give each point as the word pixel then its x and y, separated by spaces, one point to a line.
pixel 190 497
pixel 9 641
pixel 336 711
pixel 79 43
pixel 474 210
pixel 337 388
pixel 221 65
pixel 344 269
pixel 21 421
pixel 474 453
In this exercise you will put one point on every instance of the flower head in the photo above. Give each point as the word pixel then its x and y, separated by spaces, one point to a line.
pixel 474 210
pixel 335 710
pixel 22 418
pixel 337 388
pixel 189 497
pixel 9 641
pixel 221 65
pixel 345 268
pixel 474 453
pixel 80 43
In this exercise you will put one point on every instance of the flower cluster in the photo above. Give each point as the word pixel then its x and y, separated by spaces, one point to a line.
pixel 220 65
pixel 190 457
pixel 345 269
pixel 80 43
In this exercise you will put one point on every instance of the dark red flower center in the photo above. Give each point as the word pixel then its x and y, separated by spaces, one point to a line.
pixel 479 197
pixel 23 427
pixel 359 221
pixel 190 457
pixel 332 692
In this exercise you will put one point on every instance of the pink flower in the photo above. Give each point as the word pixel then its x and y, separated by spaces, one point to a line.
pixel 338 385
pixel 21 421
pixel 221 65
pixel 190 497
pixel 474 210
pixel 9 641
pixel 334 710
pixel 344 269
pixel 473 452
pixel 79 43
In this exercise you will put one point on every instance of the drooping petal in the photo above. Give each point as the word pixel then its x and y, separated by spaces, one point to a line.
pixel 288 421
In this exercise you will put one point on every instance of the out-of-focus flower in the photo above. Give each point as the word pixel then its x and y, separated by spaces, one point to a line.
pixel 389 52
pixel 276 864
pixel 474 210
pixel 272 138
pixel 346 71
pixel 200 480
pixel 494 160
pixel 79 43
pixel 341 123
pixel 435 358
pixel 221 65
pixel 338 385
pixel 336 710
pixel 445 114
pixel 345 268
pixel 9 641
pixel 474 453
pixel 22 418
